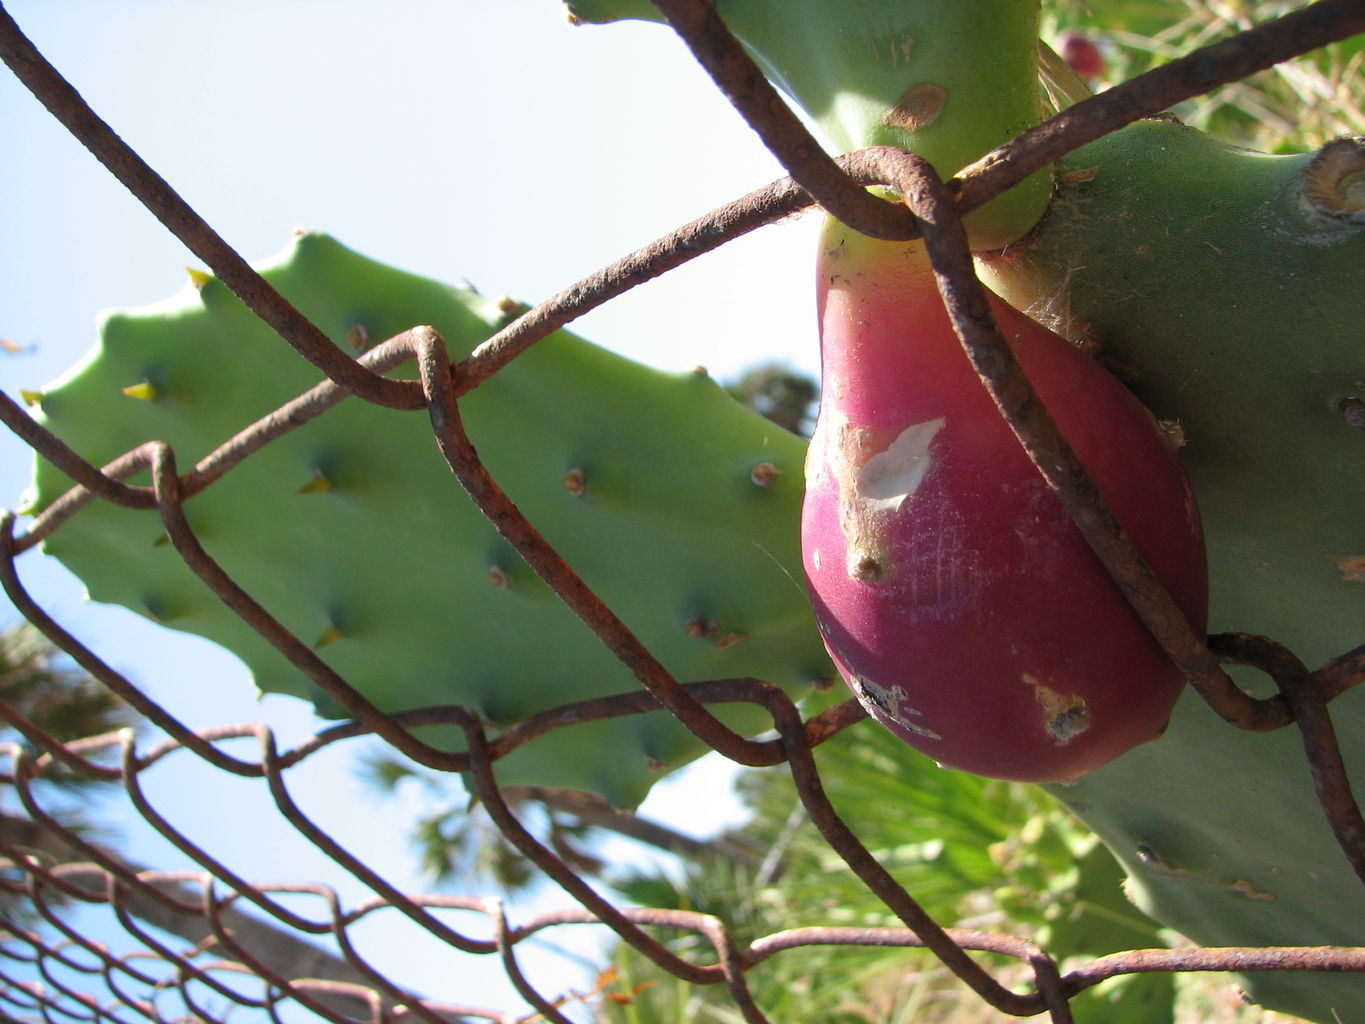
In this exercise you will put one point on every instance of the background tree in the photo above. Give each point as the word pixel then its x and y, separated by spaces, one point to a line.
pixel 38 685
pixel 782 394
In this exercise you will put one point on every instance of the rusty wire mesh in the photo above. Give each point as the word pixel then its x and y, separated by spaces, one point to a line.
pixel 56 866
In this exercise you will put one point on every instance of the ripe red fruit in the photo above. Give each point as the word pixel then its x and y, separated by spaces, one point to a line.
pixel 957 598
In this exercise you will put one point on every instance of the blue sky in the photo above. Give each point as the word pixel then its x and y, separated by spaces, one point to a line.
pixel 487 142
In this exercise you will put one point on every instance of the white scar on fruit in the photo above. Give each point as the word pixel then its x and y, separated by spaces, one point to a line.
pixel 873 485
pixel 892 704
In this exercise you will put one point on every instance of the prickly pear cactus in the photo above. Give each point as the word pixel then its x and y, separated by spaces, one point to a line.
pixel 675 503
pixel 1228 288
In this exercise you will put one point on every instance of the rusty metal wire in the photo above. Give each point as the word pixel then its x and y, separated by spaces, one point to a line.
pixel 51 970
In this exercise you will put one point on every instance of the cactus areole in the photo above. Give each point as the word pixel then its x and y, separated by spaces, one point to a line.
pixel 960 603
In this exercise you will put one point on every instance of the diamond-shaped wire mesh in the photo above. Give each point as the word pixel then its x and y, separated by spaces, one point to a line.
pixel 273 948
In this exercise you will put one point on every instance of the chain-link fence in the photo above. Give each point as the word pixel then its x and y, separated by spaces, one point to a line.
pixel 53 866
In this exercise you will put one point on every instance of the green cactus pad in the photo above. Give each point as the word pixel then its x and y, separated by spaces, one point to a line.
pixel 353 532
pixel 872 72
pixel 1231 297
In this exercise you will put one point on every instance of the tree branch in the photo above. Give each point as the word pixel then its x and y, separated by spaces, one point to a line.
pixel 591 809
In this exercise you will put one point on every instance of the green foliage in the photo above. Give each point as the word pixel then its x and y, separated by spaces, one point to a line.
pixel 1297 105
pixel 974 851
pixel 59 698
pixel 67 704
pixel 62 700
pixel 456 841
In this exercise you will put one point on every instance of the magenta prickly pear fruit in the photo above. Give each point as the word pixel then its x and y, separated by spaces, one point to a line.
pixel 960 603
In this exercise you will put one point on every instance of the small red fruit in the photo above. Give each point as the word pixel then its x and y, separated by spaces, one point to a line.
pixel 958 600
pixel 1081 53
